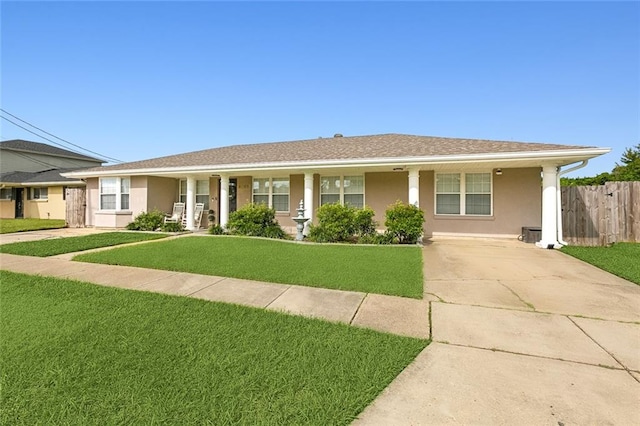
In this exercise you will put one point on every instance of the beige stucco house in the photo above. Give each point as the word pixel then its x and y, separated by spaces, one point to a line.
pixel 31 184
pixel 464 186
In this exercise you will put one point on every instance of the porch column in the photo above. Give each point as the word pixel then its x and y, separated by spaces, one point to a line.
pixel 308 196
pixel 224 200
pixel 549 207
pixel 414 187
pixel 191 202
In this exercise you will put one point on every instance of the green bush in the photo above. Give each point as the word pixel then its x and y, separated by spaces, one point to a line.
pixel 256 220
pixel 375 238
pixel 216 230
pixel 340 223
pixel 147 221
pixel 172 227
pixel 404 222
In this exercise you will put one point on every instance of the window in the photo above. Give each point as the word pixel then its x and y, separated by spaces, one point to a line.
pixel 6 193
pixel 273 192
pixel 202 192
pixel 343 190
pixel 463 193
pixel 39 193
pixel 114 193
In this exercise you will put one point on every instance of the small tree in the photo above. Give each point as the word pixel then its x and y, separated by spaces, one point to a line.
pixel 630 168
pixel 404 222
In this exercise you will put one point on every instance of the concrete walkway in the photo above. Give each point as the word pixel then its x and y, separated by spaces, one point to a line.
pixel 521 335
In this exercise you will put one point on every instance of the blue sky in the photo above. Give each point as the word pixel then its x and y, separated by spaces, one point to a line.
pixel 135 80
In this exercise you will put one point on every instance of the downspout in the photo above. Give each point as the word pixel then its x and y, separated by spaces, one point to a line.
pixel 559 200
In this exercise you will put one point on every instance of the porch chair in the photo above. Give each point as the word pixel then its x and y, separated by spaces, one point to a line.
pixel 197 216
pixel 177 215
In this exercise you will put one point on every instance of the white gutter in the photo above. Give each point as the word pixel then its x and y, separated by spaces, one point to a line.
pixel 559 202
pixel 358 162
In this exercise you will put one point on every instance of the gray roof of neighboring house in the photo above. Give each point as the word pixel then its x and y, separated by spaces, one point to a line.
pixel 42 148
pixel 338 148
pixel 47 176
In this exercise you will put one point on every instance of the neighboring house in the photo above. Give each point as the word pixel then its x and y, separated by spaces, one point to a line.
pixel 464 186
pixel 30 182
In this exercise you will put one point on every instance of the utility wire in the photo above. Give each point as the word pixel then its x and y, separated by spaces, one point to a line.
pixel 59 138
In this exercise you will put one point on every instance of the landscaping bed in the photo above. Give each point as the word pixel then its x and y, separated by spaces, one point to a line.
pixel 54 246
pixel 76 353
pixel 393 270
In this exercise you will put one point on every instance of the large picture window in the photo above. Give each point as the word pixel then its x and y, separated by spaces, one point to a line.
pixel 463 194
pixel 342 189
pixel 273 192
pixel 202 192
pixel 114 193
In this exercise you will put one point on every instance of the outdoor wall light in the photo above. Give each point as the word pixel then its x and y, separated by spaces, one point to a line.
pixel 398 169
pixel 498 172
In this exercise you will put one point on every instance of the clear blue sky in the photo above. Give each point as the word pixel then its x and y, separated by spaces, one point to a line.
pixel 136 80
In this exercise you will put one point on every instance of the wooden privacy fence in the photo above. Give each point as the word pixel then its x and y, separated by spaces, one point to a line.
pixel 76 205
pixel 601 215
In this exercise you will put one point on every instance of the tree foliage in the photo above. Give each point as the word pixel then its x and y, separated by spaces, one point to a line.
pixel 629 170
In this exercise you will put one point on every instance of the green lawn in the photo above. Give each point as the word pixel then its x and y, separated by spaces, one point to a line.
pixel 51 247
pixel 621 259
pixel 75 353
pixel 380 269
pixel 20 225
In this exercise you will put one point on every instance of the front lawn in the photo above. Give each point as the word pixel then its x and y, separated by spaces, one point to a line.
pixel 381 269
pixel 621 259
pixel 76 353
pixel 51 247
pixel 8 226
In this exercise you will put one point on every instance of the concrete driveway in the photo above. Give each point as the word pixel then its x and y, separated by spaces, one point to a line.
pixel 521 335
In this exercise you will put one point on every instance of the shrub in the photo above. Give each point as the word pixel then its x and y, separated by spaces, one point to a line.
pixel 256 220
pixel 363 222
pixel 147 221
pixel 404 222
pixel 172 227
pixel 216 230
pixel 375 238
pixel 336 223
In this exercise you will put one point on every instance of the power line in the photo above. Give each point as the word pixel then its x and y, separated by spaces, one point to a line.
pixel 50 134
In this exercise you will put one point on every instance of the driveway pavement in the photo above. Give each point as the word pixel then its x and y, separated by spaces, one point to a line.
pixel 521 335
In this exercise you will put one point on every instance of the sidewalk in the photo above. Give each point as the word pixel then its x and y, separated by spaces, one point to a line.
pixel 398 315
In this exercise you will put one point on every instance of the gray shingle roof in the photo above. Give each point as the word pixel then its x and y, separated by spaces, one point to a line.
pixel 337 148
pixel 37 177
pixel 42 148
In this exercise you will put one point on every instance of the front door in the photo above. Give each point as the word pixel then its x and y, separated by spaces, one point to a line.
pixel 233 195
pixel 19 203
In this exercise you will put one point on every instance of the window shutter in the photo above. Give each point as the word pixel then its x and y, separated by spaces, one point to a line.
pixel 28 193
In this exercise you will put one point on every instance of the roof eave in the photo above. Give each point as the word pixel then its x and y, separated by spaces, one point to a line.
pixel 545 157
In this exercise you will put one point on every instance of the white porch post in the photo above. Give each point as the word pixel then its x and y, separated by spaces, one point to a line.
pixel 414 187
pixel 191 202
pixel 224 200
pixel 549 207
pixel 308 196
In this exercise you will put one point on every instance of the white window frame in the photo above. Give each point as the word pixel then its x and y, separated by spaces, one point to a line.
pixel 182 196
pixel 39 197
pixel 341 197
pixel 463 194
pixel 270 194
pixel 118 193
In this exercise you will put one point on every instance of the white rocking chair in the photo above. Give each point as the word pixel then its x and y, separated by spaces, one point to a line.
pixel 177 215
pixel 197 216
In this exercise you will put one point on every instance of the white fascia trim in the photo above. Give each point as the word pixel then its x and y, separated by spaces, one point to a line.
pixel 544 156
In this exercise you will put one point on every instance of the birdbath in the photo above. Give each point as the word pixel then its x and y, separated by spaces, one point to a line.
pixel 300 220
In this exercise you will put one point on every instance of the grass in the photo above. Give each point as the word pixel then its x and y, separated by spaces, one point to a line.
pixel 76 353
pixel 621 259
pixel 51 247
pixel 8 226
pixel 381 269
